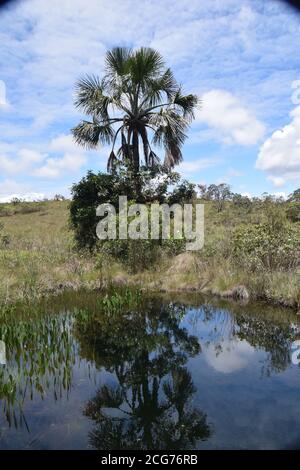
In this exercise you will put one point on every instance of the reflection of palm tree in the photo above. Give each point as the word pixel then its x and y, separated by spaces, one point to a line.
pixel 147 421
pixel 149 408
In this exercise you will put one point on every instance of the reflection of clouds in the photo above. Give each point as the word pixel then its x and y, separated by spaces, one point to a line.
pixel 230 357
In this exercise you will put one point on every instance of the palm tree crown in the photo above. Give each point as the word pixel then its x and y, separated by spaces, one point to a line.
pixel 137 97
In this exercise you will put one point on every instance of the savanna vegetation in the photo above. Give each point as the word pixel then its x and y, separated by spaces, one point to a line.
pixel 249 242
pixel 252 245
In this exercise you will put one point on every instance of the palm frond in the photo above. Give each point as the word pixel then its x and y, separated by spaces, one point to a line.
pixel 90 96
pixel 117 61
pixel 140 94
pixel 156 87
pixel 111 162
pixel 145 63
pixel 170 131
pixel 187 103
pixel 90 134
pixel 124 150
pixel 153 159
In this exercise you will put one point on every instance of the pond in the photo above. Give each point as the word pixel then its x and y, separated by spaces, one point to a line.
pixel 125 371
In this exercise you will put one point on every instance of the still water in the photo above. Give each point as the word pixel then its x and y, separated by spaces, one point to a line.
pixel 168 373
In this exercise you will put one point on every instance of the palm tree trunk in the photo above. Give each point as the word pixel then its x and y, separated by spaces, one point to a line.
pixel 136 163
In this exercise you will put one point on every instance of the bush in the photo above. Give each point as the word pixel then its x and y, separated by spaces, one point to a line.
pixel 4 238
pixel 293 212
pixel 95 189
pixel 140 254
pixel 263 247
pixel 15 201
pixel 183 193
pixel 91 191
pixel 59 197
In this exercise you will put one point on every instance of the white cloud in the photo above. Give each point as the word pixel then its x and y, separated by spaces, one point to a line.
pixel 193 166
pixel 10 189
pixel 231 121
pixel 24 160
pixel 280 194
pixel 233 357
pixel 28 197
pixel 227 177
pixel 62 158
pixel 279 155
pixel 9 186
pixel 63 143
pixel 45 47
pixel 56 167
pixel 278 181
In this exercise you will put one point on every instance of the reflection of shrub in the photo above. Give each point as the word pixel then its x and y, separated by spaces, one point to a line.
pixel 262 247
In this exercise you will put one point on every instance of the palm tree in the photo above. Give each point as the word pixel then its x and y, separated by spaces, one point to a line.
pixel 137 97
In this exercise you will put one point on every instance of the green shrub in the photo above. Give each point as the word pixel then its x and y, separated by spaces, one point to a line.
pixel 184 192
pixel 262 246
pixel 91 191
pixel 293 212
pixel 141 254
pixel 95 189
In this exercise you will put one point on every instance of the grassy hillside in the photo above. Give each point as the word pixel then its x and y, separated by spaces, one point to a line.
pixel 36 250
pixel 37 256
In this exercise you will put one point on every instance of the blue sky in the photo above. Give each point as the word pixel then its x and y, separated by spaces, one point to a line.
pixel 240 57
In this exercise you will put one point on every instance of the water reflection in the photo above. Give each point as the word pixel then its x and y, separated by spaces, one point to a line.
pixel 40 355
pixel 274 338
pixel 234 332
pixel 150 403
pixel 156 368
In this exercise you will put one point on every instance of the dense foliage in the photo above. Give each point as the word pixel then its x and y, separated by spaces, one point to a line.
pixel 95 189
pixel 263 247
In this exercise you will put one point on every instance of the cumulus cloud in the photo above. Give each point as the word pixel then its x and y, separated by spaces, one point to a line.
pixel 45 47
pixel 56 167
pixel 9 186
pixel 10 189
pixel 24 160
pixel 71 161
pixel 61 157
pixel 233 357
pixel 63 143
pixel 279 155
pixel 231 121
